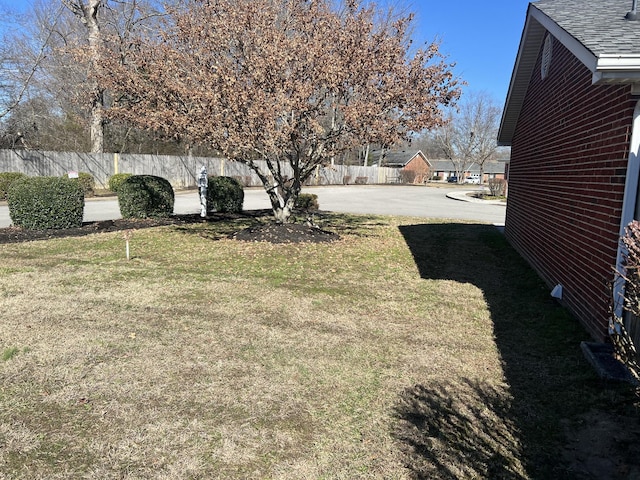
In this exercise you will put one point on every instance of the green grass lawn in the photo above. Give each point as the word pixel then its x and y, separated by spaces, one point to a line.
pixel 407 349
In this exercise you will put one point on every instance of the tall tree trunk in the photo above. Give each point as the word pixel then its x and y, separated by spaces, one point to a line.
pixel 88 14
pixel 366 156
pixel 96 129
pixel 97 100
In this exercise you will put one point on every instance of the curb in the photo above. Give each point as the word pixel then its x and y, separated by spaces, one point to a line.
pixel 464 197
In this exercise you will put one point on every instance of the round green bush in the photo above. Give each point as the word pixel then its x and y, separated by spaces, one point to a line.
pixel 116 180
pixel 307 202
pixel 43 203
pixel 144 196
pixel 224 194
pixel 6 179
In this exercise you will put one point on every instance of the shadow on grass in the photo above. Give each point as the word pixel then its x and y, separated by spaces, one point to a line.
pixel 468 428
pixel 218 226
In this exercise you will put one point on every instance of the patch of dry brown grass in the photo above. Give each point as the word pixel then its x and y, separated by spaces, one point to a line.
pixel 225 359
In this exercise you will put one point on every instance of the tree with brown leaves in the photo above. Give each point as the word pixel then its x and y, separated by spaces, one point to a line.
pixel 290 82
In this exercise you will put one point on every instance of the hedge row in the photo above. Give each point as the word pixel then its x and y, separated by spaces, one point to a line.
pixel 43 203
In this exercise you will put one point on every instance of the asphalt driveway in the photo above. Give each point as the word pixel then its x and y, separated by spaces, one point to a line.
pixel 409 200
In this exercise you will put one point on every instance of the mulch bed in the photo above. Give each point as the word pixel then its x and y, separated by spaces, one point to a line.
pixel 285 233
pixel 264 232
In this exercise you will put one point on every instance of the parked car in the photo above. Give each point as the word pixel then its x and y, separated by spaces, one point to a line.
pixel 452 179
pixel 474 178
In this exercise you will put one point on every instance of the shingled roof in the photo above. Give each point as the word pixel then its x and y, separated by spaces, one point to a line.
pixel 599 25
pixel 398 158
pixel 596 32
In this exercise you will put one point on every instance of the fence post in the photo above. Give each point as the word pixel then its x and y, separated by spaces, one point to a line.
pixel 116 158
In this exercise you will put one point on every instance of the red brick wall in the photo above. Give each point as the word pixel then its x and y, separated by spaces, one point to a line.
pixel 566 183
pixel 419 167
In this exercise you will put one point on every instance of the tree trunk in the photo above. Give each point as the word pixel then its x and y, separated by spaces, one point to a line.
pixel 96 128
pixel 282 205
pixel 283 195
pixel 88 14
pixel 97 117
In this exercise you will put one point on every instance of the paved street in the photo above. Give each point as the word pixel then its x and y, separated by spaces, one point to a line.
pixel 418 201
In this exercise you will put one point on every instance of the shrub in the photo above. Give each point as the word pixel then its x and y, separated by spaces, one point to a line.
pixel 307 202
pixel 407 176
pixel 86 181
pixel 116 180
pixel 224 194
pixel 628 279
pixel 497 187
pixel 144 196
pixel 42 203
pixel 6 179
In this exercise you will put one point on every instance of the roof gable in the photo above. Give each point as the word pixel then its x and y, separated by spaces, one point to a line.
pixel 401 158
pixel 597 33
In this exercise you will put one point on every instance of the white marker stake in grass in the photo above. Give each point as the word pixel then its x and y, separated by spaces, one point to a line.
pixel 127 236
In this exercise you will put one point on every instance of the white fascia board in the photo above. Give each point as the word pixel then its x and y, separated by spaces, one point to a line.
pixel 617 69
pixel 618 62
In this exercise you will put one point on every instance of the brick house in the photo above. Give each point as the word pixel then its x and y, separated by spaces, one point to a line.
pixel 414 167
pixel 572 119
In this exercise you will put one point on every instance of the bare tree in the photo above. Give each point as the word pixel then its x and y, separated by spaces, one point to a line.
pixel 624 307
pixel 469 136
pixel 21 58
pixel 120 19
pixel 41 68
pixel 289 82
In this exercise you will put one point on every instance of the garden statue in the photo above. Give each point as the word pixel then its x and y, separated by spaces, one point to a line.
pixel 203 183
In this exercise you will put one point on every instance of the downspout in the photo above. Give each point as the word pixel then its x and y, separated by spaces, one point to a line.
pixel 630 203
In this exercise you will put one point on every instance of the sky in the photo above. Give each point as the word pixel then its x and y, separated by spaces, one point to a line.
pixel 481 37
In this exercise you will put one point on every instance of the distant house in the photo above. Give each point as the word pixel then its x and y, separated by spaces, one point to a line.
pixel 444 169
pixel 572 119
pixel 414 167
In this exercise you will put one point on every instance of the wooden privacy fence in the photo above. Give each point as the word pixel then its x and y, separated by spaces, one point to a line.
pixel 181 171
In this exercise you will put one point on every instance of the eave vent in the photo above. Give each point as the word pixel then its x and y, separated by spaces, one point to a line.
pixel 547 51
